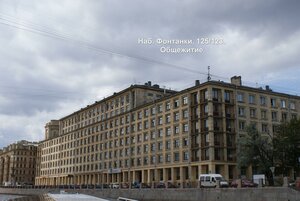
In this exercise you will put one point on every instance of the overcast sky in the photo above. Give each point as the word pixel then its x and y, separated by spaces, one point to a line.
pixel 58 56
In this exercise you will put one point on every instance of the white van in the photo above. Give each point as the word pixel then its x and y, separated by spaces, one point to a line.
pixel 210 180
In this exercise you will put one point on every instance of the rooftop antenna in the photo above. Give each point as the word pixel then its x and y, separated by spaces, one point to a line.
pixel 208 74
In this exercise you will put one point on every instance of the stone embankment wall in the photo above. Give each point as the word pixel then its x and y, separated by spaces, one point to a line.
pixel 230 194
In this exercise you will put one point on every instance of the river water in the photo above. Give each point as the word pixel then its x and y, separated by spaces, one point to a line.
pixel 6 197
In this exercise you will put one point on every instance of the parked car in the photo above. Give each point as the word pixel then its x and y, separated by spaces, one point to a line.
pixel 171 185
pixel 105 185
pixel 144 185
pixel 124 185
pixel 115 185
pixel 136 185
pixel 210 180
pixel 245 183
pixel 160 185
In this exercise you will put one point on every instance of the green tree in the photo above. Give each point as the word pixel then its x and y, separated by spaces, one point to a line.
pixel 287 146
pixel 262 151
pixel 256 149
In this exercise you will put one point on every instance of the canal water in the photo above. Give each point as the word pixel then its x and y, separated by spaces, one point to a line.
pixel 7 197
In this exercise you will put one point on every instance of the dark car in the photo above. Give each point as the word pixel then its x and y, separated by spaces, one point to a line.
pixel 160 185
pixel 245 183
pixel 124 185
pixel 135 185
pixel 171 185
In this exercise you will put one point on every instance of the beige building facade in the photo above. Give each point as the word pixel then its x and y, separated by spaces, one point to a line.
pixel 18 163
pixel 148 134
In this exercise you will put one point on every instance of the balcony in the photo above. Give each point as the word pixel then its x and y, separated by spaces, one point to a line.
pixel 204 129
pixel 217 128
pixel 218 114
pixel 217 99
pixel 195 145
pixel 195 131
pixel 229 129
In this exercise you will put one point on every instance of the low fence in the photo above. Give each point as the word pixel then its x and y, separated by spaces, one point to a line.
pixel 178 194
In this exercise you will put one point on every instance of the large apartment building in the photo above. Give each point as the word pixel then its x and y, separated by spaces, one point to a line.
pixel 17 163
pixel 148 134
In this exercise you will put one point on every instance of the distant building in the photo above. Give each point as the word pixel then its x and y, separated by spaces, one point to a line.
pixel 18 163
pixel 148 134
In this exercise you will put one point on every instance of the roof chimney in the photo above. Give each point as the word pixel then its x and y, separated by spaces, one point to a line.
pixel 268 88
pixel 236 80
pixel 197 82
pixel 149 83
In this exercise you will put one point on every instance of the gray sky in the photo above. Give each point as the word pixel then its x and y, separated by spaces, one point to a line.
pixel 58 56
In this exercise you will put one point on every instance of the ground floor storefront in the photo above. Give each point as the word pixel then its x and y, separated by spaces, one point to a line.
pixel 174 174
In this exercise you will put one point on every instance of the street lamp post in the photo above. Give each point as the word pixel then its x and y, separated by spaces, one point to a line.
pixel 298 167
pixel 273 171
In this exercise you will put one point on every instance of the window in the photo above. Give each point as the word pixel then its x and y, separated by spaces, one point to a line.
pixel 263 100
pixel 252 113
pixel 145 136
pixel 176 143
pixel 176 116
pixel 206 94
pixel 160 133
pixel 176 103
pixel 152 122
pixel 146 160
pixel 168 145
pixel 153 110
pixel 160 107
pixel 283 104
pixel 292 106
pixel 139 126
pixel 284 117
pixel 153 147
pixel 146 112
pixel 227 96
pixel 168 106
pixel 146 124
pixel 160 158
pixel 176 129
pixel 185 114
pixel 160 146
pixel 139 115
pixel 264 128
pixel 240 97
pixel 264 114
pixel 274 116
pixel 168 157
pixel 215 94
pixel 168 118
pixel 185 142
pixel 241 125
pixel 241 111
pixel 153 135
pixel 168 131
pixel 185 100
pixel 160 120
pixel 185 127
pixel 176 157
pixel 146 149
pixel 185 155
pixel 273 102
pixel 206 108
pixel 251 99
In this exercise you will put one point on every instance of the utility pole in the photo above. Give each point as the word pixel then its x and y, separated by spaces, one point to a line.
pixel 208 74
